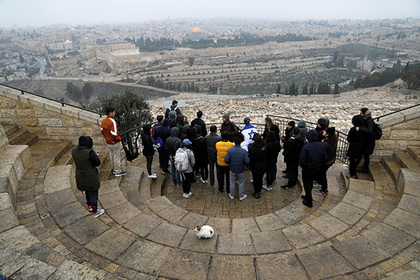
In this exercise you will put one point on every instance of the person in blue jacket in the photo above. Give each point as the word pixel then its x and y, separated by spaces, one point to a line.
pixel 237 158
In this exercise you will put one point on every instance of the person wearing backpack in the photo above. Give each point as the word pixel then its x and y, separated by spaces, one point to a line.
pixel 368 130
pixel 163 132
pixel 173 143
pixel 173 111
pixel 184 162
pixel 148 150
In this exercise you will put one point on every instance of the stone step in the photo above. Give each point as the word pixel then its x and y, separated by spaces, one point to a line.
pixel 130 185
pixel 380 175
pixel 393 168
pixel 66 158
pixel 9 129
pixel 406 160
pixel 18 137
pixel 157 184
pixel 414 152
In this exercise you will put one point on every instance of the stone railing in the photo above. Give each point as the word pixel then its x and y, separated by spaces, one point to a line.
pixel 49 119
pixel 400 129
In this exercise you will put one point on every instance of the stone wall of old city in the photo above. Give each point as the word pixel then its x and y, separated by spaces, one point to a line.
pixel 50 120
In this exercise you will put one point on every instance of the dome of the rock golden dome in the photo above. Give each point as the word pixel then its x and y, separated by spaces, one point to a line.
pixel 196 30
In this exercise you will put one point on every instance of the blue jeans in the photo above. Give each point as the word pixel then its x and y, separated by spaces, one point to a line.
pixel 176 176
pixel 270 174
pixel 164 160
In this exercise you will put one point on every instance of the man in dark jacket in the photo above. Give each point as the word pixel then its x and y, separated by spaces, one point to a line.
pixel 164 132
pixel 87 179
pixel 291 153
pixel 173 143
pixel 148 150
pixel 211 141
pixel 357 145
pixel 367 130
pixel 312 157
pixel 273 150
pixel 228 126
pixel 173 111
pixel 237 158
pixel 198 121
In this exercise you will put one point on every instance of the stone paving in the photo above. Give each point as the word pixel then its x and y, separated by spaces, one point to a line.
pixel 368 232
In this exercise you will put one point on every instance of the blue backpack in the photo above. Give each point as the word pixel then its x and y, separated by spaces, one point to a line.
pixel 159 144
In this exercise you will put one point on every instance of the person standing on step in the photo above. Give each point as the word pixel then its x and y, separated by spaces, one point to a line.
pixel 173 143
pixel 148 150
pixel 188 175
pixel 273 150
pixel 312 157
pixel 257 157
pixel 367 129
pixel 198 121
pixel 173 111
pixel 330 141
pixel 291 153
pixel 87 179
pixel 163 132
pixel 248 132
pixel 357 145
pixel 237 158
pixel 109 130
pixel 211 141
pixel 222 167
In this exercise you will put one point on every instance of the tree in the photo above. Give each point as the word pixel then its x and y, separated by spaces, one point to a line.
pixel 73 92
pixel 305 89
pixel 278 89
pixel 336 90
pixel 150 80
pixel 412 78
pixel 191 61
pixel 131 109
pixel 87 90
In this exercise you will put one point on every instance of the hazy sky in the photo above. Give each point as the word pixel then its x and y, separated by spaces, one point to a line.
pixel 45 12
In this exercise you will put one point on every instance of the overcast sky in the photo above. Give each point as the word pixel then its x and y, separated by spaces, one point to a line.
pixel 24 13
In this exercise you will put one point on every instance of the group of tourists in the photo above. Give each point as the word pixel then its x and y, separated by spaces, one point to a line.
pixel 193 154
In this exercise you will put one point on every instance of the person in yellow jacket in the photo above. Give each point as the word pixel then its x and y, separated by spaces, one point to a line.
pixel 223 168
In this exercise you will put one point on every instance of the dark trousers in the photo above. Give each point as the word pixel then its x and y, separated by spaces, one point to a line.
pixel 257 177
pixel 366 157
pixel 322 180
pixel 293 169
pixel 149 164
pixel 164 160
pixel 92 199
pixel 211 165
pixel 270 174
pixel 308 177
pixel 204 170
pixel 222 175
pixel 353 163
pixel 186 181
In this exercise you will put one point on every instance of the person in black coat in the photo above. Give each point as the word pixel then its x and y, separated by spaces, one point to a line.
pixel 273 150
pixel 330 143
pixel 270 126
pixel 211 141
pixel 288 132
pixel 257 157
pixel 198 121
pixel 164 132
pixel 148 150
pixel 291 153
pixel 367 130
pixel 312 157
pixel 357 145
pixel 200 153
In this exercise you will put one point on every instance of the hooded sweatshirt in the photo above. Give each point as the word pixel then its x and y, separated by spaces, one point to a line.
pixel 292 149
pixel 173 143
pixel 163 131
pixel 273 148
pixel 313 154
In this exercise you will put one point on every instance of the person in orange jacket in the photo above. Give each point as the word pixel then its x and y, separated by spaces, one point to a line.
pixel 109 130
pixel 222 167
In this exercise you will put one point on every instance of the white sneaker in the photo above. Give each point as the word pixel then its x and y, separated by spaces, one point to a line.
pixel 231 196
pixel 267 188
pixel 187 195
pixel 202 180
pixel 153 176
pixel 243 197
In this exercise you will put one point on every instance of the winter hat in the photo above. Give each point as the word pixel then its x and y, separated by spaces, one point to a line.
pixel 247 120
pixel 302 123
pixel 226 116
pixel 85 141
pixel 291 123
pixel 186 142
pixel 330 130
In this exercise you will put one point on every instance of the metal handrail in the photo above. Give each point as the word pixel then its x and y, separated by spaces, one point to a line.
pixel 377 118
pixel 52 99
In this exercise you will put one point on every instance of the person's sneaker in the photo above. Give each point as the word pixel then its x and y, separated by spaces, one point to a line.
pixel 283 187
pixel 287 187
pixel 153 176
pixel 267 188
pixel 187 195
pixel 98 212
pixel 164 173
pixel 90 208
pixel 202 180
pixel 184 195
pixel 243 197
pixel 321 193
pixel 231 196
pixel 122 173
pixel 206 181
pixel 316 184
pixel 256 195
pixel 251 181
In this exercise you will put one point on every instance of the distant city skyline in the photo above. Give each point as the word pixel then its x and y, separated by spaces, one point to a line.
pixel 29 13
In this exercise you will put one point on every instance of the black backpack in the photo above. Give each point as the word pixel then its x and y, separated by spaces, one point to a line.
pixel 377 131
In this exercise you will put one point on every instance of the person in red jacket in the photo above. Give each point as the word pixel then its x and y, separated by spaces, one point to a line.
pixel 109 130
